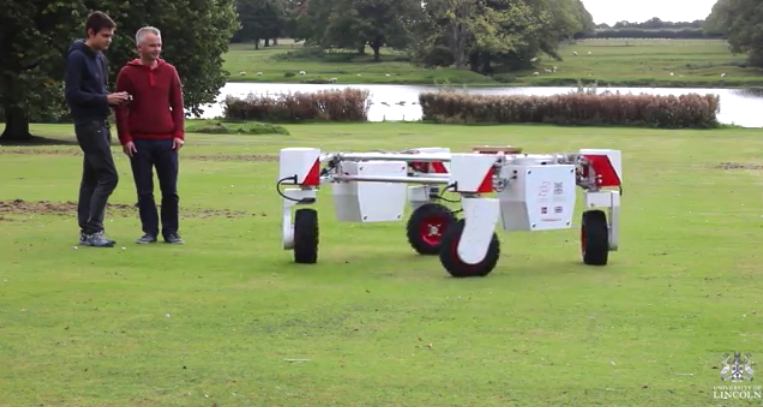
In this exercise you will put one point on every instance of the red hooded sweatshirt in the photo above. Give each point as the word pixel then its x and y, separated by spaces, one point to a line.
pixel 156 110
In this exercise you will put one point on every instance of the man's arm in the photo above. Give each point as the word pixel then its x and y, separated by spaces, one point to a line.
pixel 178 108
pixel 122 111
pixel 75 64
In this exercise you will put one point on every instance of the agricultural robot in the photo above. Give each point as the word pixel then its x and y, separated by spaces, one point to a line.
pixel 524 192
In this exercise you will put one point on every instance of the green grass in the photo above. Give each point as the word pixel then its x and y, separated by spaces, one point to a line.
pixel 613 62
pixel 211 322
pixel 628 62
pixel 288 57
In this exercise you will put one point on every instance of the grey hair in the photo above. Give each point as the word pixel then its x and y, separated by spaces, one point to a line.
pixel 148 29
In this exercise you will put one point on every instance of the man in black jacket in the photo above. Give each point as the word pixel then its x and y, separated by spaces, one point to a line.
pixel 90 102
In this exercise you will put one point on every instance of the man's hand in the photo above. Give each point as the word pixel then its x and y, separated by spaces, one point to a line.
pixel 129 149
pixel 177 143
pixel 118 98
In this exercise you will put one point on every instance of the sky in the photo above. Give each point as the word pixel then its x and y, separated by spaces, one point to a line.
pixel 612 11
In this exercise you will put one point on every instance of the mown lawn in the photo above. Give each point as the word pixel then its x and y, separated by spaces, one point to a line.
pixel 614 62
pixel 217 320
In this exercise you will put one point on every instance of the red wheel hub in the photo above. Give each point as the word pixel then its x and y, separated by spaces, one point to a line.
pixel 432 228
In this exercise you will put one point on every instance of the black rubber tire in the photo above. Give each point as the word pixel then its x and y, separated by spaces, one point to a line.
pixel 424 215
pixel 458 268
pixel 594 238
pixel 306 236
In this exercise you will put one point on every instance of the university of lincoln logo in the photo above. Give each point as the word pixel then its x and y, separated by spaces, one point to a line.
pixel 737 369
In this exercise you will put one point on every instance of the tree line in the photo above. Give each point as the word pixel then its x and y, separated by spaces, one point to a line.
pixel 654 23
pixel 483 35
pixel 654 28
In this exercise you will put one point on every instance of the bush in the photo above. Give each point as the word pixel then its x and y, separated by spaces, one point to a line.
pixel 247 128
pixel 330 105
pixel 685 111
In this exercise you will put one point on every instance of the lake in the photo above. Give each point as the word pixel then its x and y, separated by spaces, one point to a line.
pixel 400 102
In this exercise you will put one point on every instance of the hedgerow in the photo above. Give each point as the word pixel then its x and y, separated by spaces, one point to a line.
pixel 330 105
pixel 683 111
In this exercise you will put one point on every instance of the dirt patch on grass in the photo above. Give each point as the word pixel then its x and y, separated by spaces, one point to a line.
pixel 69 208
pixel 739 166
pixel 57 152
pixel 22 207
pixel 237 157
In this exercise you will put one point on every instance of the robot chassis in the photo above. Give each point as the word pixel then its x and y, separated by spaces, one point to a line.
pixel 533 192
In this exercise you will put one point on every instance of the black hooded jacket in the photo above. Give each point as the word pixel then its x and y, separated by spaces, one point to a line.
pixel 86 78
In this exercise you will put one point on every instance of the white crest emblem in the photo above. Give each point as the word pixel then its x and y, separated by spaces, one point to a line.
pixel 738 369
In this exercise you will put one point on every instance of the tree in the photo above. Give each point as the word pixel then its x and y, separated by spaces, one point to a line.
pixel 353 24
pixel 36 35
pixel 373 22
pixel 261 20
pixel 488 34
pixel 450 24
pixel 739 21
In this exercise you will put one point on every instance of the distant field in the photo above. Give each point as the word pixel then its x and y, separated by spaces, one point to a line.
pixel 646 62
pixel 615 62
pixel 288 57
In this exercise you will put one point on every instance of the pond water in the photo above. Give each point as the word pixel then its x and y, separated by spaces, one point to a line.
pixel 400 102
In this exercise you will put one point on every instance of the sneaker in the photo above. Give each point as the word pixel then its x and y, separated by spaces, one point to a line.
pixel 173 239
pixel 146 239
pixel 83 239
pixel 98 240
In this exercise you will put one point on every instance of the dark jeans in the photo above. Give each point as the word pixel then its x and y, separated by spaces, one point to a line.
pixel 99 174
pixel 156 153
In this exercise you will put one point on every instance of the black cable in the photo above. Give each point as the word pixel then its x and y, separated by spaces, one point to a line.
pixel 278 188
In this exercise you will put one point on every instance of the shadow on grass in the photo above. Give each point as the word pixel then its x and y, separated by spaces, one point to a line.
pixel 38 141
pixel 412 267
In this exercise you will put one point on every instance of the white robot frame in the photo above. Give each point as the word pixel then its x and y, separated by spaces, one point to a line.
pixel 532 192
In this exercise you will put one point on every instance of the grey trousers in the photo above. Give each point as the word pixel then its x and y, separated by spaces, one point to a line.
pixel 99 174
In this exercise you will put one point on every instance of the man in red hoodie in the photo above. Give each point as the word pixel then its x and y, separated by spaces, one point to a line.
pixel 151 130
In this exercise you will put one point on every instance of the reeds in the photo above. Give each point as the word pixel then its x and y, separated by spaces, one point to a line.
pixel 328 105
pixel 684 111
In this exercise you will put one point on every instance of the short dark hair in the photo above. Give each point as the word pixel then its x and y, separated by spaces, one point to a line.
pixel 98 21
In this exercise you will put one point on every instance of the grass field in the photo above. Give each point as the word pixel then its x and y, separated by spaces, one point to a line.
pixel 214 321
pixel 615 62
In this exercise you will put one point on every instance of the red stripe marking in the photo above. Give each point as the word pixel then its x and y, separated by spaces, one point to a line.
pixel 313 178
pixel 606 175
pixel 487 182
pixel 439 167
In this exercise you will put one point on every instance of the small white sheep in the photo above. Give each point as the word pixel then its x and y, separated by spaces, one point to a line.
pixel 302 73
